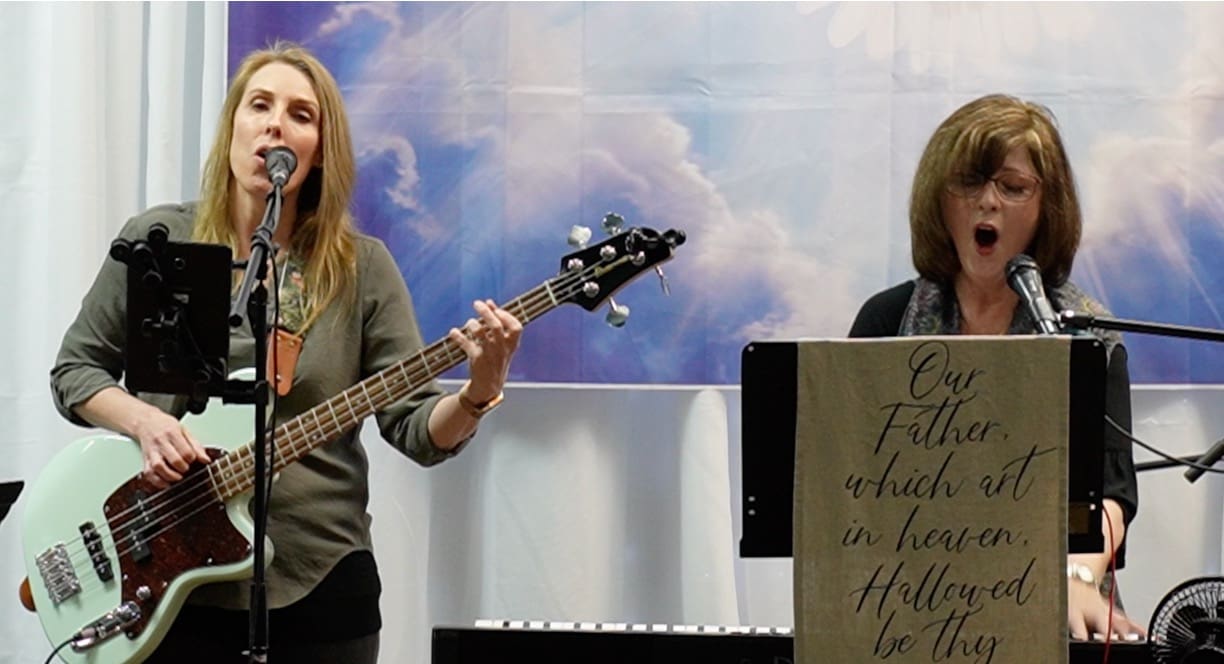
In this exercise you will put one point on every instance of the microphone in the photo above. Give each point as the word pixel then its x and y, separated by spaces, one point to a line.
pixel 1024 278
pixel 1207 460
pixel 280 162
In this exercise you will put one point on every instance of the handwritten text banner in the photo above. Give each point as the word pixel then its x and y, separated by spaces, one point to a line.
pixel 930 489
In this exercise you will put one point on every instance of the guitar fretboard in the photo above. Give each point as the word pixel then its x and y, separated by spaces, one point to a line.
pixel 232 474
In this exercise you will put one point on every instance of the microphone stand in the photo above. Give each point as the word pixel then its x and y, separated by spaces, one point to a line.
pixel 1170 463
pixel 1083 321
pixel 253 296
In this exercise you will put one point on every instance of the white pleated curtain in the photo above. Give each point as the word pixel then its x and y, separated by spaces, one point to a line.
pixel 108 108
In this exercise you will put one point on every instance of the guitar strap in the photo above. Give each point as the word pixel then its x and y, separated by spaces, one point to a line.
pixel 285 343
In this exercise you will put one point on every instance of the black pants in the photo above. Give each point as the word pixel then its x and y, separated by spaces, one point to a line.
pixel 336 623
pixel 211 641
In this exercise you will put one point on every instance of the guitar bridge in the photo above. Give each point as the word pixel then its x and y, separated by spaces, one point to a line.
pixel 58 574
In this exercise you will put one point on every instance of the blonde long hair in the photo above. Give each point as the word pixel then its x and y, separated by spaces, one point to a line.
pixel 324 234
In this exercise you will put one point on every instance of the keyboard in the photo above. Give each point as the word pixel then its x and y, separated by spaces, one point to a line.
pixel 545 642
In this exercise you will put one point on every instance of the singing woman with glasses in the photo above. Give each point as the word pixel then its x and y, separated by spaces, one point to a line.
pixel 994 182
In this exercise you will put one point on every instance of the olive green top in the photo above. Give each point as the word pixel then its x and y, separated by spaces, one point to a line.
pixel 318 505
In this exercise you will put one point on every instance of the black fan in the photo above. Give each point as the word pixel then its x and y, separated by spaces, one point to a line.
pixel 1188 625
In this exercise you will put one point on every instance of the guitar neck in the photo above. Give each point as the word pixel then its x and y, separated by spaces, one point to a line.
pixel 233 474
pixel 588 278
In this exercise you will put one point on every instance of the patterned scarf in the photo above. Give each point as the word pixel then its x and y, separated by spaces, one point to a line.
pixel 933 310
pixel 292 294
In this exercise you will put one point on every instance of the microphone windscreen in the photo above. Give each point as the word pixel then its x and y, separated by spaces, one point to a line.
pixel 280 161
pixel 1020 262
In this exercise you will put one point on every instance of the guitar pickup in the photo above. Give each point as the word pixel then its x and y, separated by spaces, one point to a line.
pixel 139 532
pixel 97 554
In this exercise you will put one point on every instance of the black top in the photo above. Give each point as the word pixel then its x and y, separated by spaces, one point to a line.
pixel 880 316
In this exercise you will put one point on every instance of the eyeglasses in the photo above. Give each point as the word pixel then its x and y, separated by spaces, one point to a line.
pixel 1012 187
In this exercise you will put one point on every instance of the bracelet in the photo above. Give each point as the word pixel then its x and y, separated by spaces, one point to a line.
pixel 478 410
pixel 1083 573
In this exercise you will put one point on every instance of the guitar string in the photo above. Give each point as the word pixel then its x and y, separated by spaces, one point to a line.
pixel 401 386
pixel 412 384
pixel 400 380
pixel 395 389
pixel 402 383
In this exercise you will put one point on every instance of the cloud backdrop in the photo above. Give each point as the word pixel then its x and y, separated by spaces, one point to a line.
pixel 781 137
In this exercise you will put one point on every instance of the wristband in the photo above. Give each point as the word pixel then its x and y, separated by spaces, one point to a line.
pixel 478 410
pixel 1083 574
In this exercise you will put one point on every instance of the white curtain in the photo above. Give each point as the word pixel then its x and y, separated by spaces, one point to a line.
pixel 108 108
pixel 583 503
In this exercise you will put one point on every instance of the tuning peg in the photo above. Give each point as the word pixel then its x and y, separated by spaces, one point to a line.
pixel 617 314
pixel 663 280
pixel 612 223
pixel 579 236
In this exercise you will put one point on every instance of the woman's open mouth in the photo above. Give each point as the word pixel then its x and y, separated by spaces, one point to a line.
pixel 985 236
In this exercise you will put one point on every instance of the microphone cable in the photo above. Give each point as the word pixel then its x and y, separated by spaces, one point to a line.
pixel 1157 452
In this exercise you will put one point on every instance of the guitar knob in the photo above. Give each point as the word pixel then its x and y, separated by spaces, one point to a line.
pixel 617 314
pixel 578 237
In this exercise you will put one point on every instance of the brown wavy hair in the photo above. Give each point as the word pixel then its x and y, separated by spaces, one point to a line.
pixel 324 236
pixel 976 139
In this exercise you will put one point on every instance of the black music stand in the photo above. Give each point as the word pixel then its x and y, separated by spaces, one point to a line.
pixel 8 495
pixel 177 316
pixel 768 382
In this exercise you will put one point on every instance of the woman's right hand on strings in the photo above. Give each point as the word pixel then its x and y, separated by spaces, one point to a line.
pixel 168 447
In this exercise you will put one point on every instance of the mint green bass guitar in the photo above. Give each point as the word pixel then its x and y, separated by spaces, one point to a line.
pixel 110 558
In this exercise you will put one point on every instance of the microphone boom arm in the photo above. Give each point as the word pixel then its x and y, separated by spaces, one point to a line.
pixel 1084 321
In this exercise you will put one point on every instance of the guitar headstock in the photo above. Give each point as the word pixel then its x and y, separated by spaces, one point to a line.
pixel 592 275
